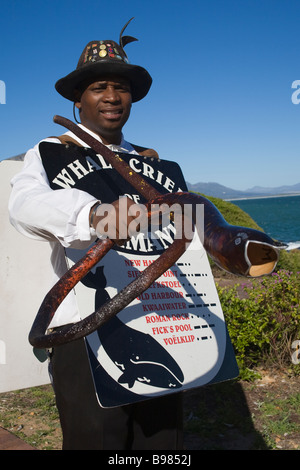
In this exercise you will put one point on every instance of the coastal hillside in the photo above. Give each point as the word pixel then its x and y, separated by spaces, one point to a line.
pixel 232 213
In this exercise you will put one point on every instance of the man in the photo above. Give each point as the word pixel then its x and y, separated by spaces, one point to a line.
pixel 57 197
pixel 104 108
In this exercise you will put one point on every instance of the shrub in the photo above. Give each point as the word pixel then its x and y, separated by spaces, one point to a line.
pixel 264 321
pixel 289 260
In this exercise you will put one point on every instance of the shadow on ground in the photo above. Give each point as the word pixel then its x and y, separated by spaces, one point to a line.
pixel 218 417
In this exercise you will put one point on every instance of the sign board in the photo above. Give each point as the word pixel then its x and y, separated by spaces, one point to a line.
pixel 25 277
pixel 172 338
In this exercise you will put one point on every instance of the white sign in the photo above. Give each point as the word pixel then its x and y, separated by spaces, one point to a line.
pixel 173 337
pixel 25 277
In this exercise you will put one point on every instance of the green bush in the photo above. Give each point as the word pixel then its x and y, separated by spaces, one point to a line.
pixel 265 320
pixel 289 260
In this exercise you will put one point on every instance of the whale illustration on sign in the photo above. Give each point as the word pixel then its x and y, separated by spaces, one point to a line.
pixel 139 356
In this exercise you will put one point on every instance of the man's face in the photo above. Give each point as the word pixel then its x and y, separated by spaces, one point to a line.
pixel 104 107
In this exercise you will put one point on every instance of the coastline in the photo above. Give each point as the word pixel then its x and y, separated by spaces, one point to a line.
pixel 245 198
pixel 268 220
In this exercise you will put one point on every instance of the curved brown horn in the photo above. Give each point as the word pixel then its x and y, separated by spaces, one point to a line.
pixel 238 250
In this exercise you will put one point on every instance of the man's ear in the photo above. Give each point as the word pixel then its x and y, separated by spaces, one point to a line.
pixel 77 99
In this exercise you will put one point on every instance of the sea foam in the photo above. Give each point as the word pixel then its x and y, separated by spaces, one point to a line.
pixel 293 246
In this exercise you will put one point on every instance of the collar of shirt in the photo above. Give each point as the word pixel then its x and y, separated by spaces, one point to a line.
pixel 124 146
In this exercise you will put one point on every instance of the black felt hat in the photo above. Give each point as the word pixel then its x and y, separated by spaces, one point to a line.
pixel 106 58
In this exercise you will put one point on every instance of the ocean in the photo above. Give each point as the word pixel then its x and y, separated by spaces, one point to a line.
pixel 278 216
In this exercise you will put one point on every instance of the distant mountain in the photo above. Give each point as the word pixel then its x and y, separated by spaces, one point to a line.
pixel 222 192
pixel 279 190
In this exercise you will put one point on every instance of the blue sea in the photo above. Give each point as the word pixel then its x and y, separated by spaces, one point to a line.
pixel 278 216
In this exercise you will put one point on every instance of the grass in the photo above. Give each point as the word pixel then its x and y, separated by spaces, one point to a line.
pixel 280 418
pixel 31 414
pixel 245 416
pixel 229 415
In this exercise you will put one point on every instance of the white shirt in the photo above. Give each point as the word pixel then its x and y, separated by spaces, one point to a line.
pixel 60 216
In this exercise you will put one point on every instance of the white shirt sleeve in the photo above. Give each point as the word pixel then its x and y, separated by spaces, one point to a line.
pixel 42 213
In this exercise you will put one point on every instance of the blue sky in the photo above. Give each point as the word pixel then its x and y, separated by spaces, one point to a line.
pixel 221 100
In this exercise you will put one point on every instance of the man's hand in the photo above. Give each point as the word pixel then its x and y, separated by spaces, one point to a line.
pixel 119 220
